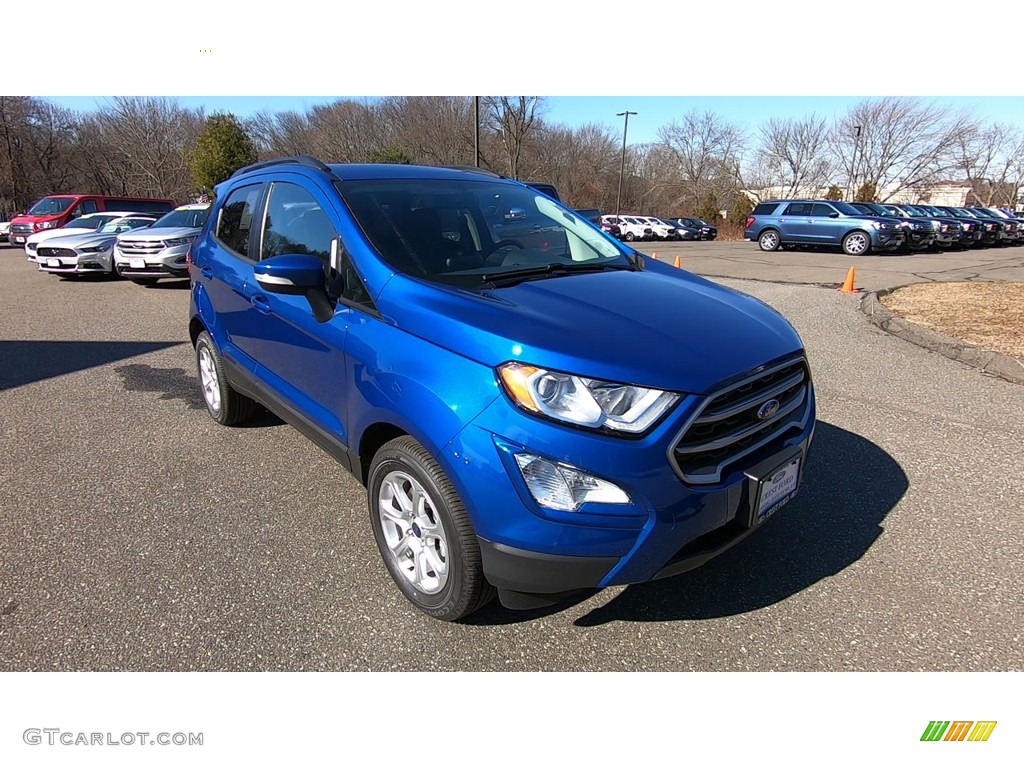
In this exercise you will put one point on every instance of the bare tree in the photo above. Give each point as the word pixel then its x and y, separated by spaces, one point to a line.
pixel 793 156
pixel 434 130
pixel 152 138
pixel 707 150
pixel 903 143
pixel 991 158
pixel 513 118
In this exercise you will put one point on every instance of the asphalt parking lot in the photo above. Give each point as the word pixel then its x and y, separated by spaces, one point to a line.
pixel 139 535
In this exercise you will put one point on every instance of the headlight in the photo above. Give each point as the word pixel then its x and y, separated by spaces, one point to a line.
pixel 97 248
pixel 46 224
pixel 585 402
pixel 180 240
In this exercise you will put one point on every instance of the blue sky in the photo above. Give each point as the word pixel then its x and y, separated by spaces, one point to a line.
pixel 652 111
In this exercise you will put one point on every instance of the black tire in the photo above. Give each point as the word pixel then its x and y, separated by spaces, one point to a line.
pixel 857 243
pixel 144 280
pixel 629 237
pixel 769 240
pixel 465 589
pixel 232 407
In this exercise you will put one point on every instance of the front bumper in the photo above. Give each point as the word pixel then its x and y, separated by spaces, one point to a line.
pixel 535 555
pixel 170 262
pixel 82 264
pixel 888 238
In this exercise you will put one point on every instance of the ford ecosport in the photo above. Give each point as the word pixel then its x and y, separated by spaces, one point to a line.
pixel 530 418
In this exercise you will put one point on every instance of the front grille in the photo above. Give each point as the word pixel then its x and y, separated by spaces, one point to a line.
pixel 727 427
pixel 140 247
pixel 56 253
pixel 21 229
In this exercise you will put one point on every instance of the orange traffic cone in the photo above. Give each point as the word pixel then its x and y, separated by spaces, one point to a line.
pixel 679 262
pixel 851 278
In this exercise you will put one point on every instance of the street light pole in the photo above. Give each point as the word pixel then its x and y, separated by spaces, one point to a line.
pixel 476 130
pixel 622 165
pixel 853 165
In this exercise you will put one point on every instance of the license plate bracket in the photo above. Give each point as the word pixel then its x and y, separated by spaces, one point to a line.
pixel 772 489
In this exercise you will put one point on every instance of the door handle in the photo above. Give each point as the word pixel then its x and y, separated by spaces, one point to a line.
pixel 261 302
pixel 206 271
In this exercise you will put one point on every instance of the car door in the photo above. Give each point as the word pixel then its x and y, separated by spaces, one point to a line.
pixel 826 227
pixel 301 360
pixel 222 266
pixel 796 224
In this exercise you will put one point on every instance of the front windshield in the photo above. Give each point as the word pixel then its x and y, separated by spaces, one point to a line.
pixel 123 225
pixel 466 231
pixel 844 208
pixel 914 210
pixel 963 213
pixel 51 205
pixel 92 221
pixel 192 218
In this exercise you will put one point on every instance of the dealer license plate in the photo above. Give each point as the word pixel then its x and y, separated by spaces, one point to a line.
pixel 137 263
pixel 777 489
pixel 53 262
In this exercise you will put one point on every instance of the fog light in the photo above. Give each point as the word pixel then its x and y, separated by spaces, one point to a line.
pixel 560 486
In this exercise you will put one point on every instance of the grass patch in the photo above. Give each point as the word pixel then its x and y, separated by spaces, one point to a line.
pixel 987 315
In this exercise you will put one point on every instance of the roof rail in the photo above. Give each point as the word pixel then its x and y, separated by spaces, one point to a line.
pixel 305 160
pixel 474 169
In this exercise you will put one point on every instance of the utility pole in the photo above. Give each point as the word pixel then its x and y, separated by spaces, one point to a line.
pixel 622 165
pixel 476 130
pixel 853 166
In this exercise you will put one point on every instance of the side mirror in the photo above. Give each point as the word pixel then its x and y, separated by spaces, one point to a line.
pixel 297 275
pixel 291 274
pixel 833 215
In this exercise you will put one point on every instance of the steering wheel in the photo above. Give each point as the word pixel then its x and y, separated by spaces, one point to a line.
pixel 504 244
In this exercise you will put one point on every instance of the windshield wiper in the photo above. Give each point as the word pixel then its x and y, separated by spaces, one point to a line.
pixel 499 279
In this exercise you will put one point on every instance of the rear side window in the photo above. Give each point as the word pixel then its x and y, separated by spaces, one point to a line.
pixel 236 218
pixel 820 209
pixel 797 209
pixel 762 209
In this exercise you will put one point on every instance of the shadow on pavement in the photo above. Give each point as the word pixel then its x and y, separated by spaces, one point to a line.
pixel 849 488
pixel 25 362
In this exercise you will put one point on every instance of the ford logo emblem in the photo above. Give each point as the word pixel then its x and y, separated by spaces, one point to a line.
pixel 767 410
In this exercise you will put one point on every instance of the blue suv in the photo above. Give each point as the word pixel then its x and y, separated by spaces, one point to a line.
pixel 531 417
pixel 786 223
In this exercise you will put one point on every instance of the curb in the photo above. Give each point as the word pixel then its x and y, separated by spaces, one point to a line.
pixel 993 363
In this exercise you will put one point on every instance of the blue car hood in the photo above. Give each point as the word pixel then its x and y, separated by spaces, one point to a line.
pixel 660 327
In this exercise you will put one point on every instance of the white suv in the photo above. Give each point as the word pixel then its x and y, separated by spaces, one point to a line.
pixel 159 251
pixel 662 231
pixel 631 228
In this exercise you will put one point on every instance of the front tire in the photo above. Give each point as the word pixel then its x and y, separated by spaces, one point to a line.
pixel 224 404
pixel 769 240
pixel 629 237
pixel 856 243
pixel 424 534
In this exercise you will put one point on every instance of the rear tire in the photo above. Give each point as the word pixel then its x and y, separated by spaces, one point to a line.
pixel 629 237
pixel 424 534
pixel 769 240
pixel 224 404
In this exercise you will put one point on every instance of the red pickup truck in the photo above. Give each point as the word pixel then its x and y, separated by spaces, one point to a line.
pixel 57 210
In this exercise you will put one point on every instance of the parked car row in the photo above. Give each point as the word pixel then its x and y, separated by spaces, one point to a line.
pixel 143 247
pixel 630 228
pixel 861 227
